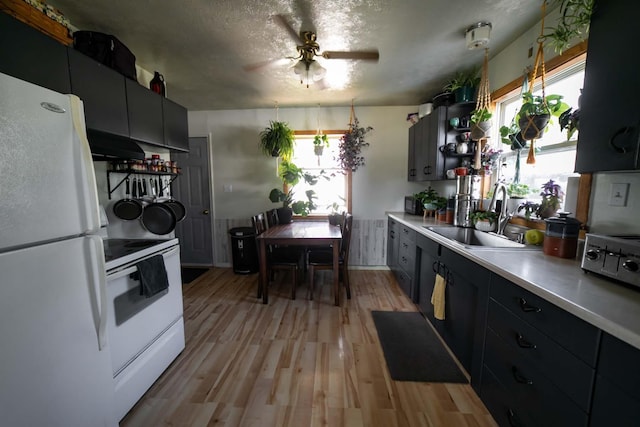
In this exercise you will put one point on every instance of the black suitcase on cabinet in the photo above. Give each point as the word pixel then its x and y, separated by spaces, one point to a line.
pixel 107 50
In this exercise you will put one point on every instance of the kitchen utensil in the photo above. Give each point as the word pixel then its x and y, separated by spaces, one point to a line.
pixel 561 236
pixel 144 186
pixel 134 188
pixel 127 208
pixel 179 210
pixel 158 218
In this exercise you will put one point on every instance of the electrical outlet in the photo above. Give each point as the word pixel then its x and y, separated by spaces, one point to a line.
pixel 228 188
pixel 618 194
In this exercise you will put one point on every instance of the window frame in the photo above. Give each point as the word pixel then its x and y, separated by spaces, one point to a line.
pixel 348 174
pixel 568 58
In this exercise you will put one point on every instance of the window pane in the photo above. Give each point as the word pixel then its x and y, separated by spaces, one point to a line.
pixel 331 187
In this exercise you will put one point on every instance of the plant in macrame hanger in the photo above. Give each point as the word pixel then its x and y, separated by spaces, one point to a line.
pixel 320 140
pixel 536 111
pixel 481 116
pixel 352 143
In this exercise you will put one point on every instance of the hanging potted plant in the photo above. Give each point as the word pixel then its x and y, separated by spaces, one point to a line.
pixel 480 123
pixel 536 111
pixel 320 141
pixel 351 145
pixel 291 175
pixel 573 23
pixel 277 140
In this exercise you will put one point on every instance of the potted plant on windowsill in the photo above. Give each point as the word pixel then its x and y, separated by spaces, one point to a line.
pixel 291 175
pixel 484 220
pixel 552 195
pixel 277 140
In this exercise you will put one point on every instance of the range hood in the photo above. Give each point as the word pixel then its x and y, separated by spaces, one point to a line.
pixel 106 146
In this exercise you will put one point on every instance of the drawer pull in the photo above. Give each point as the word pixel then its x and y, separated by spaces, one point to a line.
pixel 513 419
pixel 519 377
pixel 528 308
pixel 522 343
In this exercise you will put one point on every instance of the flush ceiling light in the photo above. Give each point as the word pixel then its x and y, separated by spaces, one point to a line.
pixel 477 35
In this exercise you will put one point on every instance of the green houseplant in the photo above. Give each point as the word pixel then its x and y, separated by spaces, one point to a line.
pixel 552 195
pixel 277 140
pixel 320 141
pixel 430 200
pixel 480 123
pixel 351 145
pixel 464 84
pixel 291 175
pixel 484 220
pixel 573 23
pixel 536 111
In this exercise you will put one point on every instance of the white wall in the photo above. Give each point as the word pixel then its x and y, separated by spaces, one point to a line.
pixel 379 186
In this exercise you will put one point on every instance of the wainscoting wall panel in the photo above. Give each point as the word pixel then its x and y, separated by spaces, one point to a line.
pixel 368 241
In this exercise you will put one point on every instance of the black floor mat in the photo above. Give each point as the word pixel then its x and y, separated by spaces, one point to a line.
pixel 189 274
pixel 412 350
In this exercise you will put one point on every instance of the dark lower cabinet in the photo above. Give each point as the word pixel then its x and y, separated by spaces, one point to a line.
pixel 393 240
pixel 616 400
pixel 30 55
pixel 103 92
pixel 427 258
pixel 466 298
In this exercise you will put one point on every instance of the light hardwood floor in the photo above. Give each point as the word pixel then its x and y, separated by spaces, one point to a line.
pixel 294 362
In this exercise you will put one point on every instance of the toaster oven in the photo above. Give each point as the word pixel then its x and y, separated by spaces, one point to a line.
pixel 412 206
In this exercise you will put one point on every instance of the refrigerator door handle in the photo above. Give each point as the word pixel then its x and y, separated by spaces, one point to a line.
pixel 100 280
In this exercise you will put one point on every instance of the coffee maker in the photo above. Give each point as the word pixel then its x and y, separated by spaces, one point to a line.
pixel 467 199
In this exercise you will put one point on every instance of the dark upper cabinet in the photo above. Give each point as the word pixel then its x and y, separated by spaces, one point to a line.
pixel 144 109
pixel 176 129
pixel 103 92
pixel 609 116
pixel 32 56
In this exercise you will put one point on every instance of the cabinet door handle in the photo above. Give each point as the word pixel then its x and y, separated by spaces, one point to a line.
pixel 513 419
pixel 621 131
pixel 519 377
pixel 522 343
pixel 427 170
pixel 392 234
pixel 528 308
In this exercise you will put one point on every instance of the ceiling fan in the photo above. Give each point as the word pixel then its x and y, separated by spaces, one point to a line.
pixel 308 48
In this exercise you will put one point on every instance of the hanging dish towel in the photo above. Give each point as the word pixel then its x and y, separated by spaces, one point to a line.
pixel 437 297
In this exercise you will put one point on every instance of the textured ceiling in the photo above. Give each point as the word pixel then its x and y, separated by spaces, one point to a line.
pixel 202 47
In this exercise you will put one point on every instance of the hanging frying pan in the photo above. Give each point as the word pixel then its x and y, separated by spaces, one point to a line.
pixel 127 208
pixel 158 218
pixel 177 207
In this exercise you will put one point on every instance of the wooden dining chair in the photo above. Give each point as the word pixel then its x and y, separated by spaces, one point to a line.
pixel 272 217
pixel 278 258
pixel 322 259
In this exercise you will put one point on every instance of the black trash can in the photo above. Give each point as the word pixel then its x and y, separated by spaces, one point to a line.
pixel 244 250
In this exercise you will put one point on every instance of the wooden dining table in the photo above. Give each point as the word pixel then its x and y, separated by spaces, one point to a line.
pixel 300 233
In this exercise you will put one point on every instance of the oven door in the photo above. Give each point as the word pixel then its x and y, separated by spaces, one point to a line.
pixel 135 322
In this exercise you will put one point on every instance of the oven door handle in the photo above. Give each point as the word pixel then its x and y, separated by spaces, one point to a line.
pixel 133 269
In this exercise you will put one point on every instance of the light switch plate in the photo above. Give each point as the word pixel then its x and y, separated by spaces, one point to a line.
pixel 618 194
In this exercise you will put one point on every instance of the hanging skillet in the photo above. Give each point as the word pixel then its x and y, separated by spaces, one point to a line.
pixel 158 218
pixel 127 208
pixel 177 207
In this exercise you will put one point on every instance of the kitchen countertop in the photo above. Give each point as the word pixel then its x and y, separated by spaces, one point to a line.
pixel 610 306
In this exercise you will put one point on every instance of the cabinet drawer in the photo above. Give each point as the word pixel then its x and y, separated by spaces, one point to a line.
pixel 500 402
pixel 535 396
pixel 465 268
pixel 573 376
pixel 574 334
pixel 408 233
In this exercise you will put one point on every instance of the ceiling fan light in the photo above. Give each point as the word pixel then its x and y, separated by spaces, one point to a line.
pixel 317 71
pixel 300 68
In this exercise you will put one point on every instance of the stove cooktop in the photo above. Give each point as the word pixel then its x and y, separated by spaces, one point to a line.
pixel 118 252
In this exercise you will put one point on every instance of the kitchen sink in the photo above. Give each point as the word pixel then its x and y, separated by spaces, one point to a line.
pixel 475 239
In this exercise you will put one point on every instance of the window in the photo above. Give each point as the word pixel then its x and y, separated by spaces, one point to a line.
pixel 555 155
pixel 334 186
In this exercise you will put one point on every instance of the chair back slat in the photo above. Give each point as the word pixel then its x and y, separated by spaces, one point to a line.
pixel 345 243
pixel 259 223
pixel 272 217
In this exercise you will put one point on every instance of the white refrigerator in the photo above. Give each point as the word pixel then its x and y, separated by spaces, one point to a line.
pixel 55 367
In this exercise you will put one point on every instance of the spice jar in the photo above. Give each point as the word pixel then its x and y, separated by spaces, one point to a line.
pixel 561 236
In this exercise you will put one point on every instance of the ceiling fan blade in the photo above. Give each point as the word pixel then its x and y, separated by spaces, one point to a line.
pixel 265 64
pixel 365 55
pixel 284 23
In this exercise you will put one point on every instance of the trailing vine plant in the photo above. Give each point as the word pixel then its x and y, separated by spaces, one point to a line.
pixel 351 145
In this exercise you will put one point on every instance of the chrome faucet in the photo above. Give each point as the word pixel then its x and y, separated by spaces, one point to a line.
pixel 503 215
